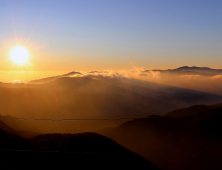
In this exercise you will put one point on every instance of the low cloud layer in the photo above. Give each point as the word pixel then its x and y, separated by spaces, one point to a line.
pixel 197 78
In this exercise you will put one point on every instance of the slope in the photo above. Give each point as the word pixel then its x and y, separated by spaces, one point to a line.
pixel 181 142
pixel 55 151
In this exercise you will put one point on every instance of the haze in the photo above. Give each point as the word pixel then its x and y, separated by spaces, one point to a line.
pixel 124 83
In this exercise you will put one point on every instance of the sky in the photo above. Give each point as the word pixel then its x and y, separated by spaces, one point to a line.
pixel 67 35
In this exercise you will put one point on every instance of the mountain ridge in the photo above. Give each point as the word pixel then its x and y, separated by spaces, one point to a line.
pixel 88 152
pixel 175 142
pixel 186 70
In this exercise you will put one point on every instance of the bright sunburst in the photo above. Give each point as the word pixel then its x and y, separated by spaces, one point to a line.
pixel 19 55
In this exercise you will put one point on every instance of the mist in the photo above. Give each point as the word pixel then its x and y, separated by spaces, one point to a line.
pixel 129 107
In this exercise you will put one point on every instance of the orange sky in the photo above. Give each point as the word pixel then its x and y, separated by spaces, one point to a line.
pixel 64 36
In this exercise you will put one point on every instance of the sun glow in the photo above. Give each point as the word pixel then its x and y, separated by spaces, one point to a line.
pixel 19 55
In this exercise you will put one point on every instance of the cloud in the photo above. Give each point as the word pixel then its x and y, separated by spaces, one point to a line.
pixel 136 72
pixel 197 78
pixel 210 84
pixel 97 74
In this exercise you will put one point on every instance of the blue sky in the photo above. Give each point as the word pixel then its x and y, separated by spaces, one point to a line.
pixel 102 34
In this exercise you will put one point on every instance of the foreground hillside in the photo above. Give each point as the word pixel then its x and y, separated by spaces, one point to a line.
pixel 66 151
pixel 188 138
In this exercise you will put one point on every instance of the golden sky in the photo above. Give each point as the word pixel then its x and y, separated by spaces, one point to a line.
pixel 63 36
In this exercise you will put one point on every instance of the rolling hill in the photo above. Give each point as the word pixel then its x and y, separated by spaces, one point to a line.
pixel 53 151
pixel 188 138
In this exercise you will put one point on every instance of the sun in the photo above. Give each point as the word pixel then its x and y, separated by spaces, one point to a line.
pixel 19 55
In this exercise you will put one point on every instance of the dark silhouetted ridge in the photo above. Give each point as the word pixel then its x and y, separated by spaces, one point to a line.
pixel 186 70
pixel 58 151
pixel 188 138
pixel 196 110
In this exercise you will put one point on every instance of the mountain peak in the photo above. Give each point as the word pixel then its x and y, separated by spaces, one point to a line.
pixel 193 67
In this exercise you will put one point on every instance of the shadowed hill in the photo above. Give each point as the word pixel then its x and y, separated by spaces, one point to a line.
pixel 23 128
pixel 93 149
pixel 55 151
pixel 184 142
pixel 197 109
pixel 5 127
pixel 11 141
pixel 12 150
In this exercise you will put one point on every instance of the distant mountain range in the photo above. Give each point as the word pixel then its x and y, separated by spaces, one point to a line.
pixel 48 79
pixel 185 70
